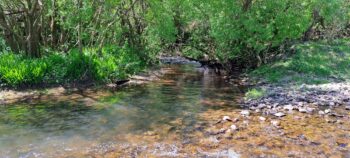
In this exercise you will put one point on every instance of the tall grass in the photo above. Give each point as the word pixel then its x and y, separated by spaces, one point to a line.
pixel 109 65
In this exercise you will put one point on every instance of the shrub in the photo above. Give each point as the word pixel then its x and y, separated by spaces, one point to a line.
pixel 109 65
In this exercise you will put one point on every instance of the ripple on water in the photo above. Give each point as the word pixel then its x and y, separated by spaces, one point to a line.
pixel 174 117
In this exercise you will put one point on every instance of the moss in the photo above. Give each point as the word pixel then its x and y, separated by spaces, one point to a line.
pixel 255 93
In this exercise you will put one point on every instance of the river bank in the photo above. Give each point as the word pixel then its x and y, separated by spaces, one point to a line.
pixel 10 96
pixel 315 79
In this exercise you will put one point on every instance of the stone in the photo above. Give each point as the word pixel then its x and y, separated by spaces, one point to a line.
pixel 327 111
pixel 235 120
pixel 310 110
pixel 288 107
pixel 226 118
pixel 262 118
pixel 228 133
pixel 150 133
pixel 276 123
pixel 280 114
pixel 321 112
pixel 302 110
pixel 246 122
pixel 245 112
pixel 234 127
pixel 233 154
pixel 339 122
pixel 347 107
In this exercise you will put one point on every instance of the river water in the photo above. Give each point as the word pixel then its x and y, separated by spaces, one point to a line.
pixel 100 121
pixel 176 116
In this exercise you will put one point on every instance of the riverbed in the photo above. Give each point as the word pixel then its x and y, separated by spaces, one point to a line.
pixel 179 115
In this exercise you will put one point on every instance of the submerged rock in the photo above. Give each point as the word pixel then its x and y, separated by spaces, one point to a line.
pixel 245 112
pixel 327 111
pixel 276 123
pixel 233 154
pixel 321 112
pixel 234 127
pixel 347 107
pixel 262 118
pixel 226 118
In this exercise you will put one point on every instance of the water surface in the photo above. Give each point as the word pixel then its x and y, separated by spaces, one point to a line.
pixel 161 114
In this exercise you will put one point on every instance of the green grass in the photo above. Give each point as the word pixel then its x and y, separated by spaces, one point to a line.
pixel 313 63
pixel 255 93
pixel 111 64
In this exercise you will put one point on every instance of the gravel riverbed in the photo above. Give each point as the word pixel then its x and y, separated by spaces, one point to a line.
pixel 304 98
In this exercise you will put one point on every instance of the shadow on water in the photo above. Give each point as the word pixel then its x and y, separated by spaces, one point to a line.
pixel 76 122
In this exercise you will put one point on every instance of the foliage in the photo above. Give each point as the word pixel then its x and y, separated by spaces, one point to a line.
pixel 104 40
pixel 111 65
pixel 314 62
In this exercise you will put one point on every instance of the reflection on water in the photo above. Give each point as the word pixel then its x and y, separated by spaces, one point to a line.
pixel 100 121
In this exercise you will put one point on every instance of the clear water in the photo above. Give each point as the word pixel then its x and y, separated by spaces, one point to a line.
pixel 81 123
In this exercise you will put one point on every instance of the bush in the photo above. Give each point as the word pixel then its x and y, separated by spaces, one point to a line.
pixel 109 65
pixel 16 70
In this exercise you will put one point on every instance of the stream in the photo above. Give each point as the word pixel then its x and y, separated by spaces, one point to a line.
pixel 175 116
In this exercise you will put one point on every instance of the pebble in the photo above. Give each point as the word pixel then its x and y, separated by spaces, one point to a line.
pixel 339 122
pixel 347 107
pixel 302 110
pixel 245 112
pixel 332 94
pixel 233 154
pixel 234 127
pixel 227 118
pixel 327 111
pixel 262 118
pixel 276 123
pixel 310 110
pixel 321 112
pixel 288 107
pixel 280 114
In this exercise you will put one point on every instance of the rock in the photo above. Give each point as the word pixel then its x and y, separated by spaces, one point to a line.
pixel 233 154
pixel 276 123
pixel 280 114
pixel 327 111
pixel 321 112
pixel 150 133
pixel 245 112
pixel 302 110
pixel 347 107
pixel 331 104
pixel 339 122
pixel 261 106
pixel 234 127
pixel 262 118
pixel 310 110
pixel 226 118
pixel 330 121
pixel 288 107
pixel 228 133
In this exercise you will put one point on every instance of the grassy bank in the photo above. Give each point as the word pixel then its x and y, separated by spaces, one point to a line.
pixel 109 65
pixel 312 63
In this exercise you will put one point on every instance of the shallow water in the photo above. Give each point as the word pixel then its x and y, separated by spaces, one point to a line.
pixel 176 116
pixel 97 121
